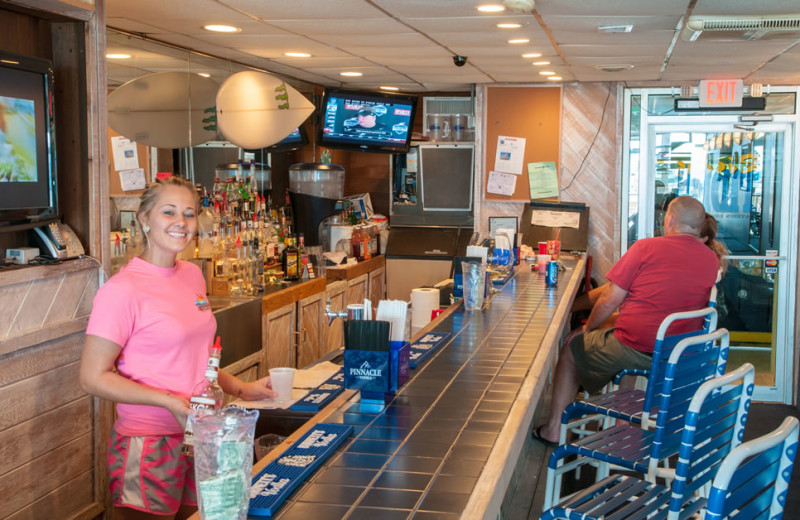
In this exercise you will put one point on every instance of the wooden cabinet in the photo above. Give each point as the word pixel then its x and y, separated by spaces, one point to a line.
pixel 333 334
pixel 377 285
pixel 310 313
pixel 278 332
pixel 357 289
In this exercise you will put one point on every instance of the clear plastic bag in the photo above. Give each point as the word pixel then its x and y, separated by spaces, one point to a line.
pixel 223 461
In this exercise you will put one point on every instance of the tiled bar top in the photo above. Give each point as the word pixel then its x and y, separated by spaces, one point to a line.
pixel 446 446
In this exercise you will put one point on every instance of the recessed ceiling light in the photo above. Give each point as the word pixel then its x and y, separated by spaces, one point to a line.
pixel 518 40
pixel 555 78
pixel 547 73
pixel 118 56
pixel 532 55
pixel 204 74
pixel 509 25
pixel 491 8
pixel 615 28
pixel 541 63
pixel 350 73
pixel 389 88
pixel 221 28
pixel 297 54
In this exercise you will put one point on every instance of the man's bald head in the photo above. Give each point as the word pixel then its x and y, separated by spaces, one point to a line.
pixel 688 216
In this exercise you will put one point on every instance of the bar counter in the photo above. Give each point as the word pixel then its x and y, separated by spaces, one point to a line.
pixel 446 446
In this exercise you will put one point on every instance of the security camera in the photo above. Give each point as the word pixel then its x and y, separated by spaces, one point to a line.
pixel 459 61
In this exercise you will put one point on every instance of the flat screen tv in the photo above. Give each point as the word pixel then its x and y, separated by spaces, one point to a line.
pixel 294 141
pixel 366 121
pixel 27 141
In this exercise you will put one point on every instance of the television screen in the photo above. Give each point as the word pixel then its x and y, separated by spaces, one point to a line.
pixel 27 172
pixel 367 121
pixel 294 141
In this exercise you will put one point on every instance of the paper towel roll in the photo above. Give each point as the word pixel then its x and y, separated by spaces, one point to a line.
pixel 423 301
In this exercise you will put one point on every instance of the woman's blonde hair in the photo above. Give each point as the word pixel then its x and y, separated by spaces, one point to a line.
pixel 148 199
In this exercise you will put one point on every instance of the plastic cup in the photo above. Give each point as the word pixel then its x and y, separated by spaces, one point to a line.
pixel 282 379
pixel 435 313
pixel 543 248
pixel 542 263
pixel 474 275
pixel 554 249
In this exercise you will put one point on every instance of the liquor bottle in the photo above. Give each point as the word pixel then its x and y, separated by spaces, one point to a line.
pixel 291 261
pixel 205 231
pixel 207 395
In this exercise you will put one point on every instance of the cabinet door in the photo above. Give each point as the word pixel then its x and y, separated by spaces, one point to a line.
pixel 377 285
pixel 357 289
pixel 309 313
pixel 279 336
pixel 333 334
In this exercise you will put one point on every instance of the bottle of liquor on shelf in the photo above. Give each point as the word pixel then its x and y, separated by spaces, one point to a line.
pixel 217 190
pixel 207 395
pixel 291 261
pixel 205 231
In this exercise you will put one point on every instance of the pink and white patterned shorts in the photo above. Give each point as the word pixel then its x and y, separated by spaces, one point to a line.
pixel 150 473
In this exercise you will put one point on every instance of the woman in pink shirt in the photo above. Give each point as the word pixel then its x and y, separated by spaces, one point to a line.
pixel 147 346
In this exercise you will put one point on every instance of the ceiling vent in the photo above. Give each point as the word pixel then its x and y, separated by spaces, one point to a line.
pixel 784 27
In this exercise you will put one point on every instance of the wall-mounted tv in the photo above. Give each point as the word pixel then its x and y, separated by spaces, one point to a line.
pixel 366 121
pixel 27 140
pixel 294 141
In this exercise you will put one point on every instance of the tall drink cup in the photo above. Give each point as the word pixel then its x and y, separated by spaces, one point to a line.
pixel 282 379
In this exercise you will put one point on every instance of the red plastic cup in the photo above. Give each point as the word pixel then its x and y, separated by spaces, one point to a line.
pixel 543 248
pixel 435 313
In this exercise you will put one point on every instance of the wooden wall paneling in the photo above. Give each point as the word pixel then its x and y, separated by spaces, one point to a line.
pixel 44 357
pixel 529 112
pixel 72 131
pixel 63 499
pixel 377 286
pixel 34 306
pixel 309 320
pixel 30 482
pixel 33 438
pixel 39 394
pixel 590 168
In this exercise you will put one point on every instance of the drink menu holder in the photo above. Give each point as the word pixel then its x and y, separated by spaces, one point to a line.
pixel 273 484
pixel 378 374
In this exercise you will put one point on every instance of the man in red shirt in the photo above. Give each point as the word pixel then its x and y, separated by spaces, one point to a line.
pixel 654 278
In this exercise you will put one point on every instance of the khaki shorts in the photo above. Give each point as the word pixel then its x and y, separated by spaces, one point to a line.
pixel 599 356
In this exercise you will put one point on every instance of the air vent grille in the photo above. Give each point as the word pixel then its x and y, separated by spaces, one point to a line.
pixel 751 25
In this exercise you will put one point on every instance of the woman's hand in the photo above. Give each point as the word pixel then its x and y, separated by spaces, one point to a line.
pixel 178 407
pixel 257 390
pixel 253 391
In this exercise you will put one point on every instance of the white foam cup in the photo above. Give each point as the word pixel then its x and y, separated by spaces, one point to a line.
pixel 282 379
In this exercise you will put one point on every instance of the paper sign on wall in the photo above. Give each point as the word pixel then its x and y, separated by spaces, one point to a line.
pixel 560 219
pixel 132 179
pixel 510 152
pixel 125 155
pixel 501 183
pixel 543 180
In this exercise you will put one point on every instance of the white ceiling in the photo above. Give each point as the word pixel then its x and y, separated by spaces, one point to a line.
pixel 410 43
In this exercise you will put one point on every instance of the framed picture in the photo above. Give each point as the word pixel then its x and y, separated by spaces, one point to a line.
pixel 496 223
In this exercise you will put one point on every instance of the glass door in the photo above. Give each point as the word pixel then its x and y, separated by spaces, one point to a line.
pixel 742 177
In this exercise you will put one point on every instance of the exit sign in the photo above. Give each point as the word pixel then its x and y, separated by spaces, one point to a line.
pixel 720 92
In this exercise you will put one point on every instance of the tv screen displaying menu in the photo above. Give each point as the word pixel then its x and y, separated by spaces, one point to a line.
pixel 367 121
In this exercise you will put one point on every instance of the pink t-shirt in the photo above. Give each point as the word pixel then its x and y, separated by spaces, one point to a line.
pixel 160 318
pixel 662 275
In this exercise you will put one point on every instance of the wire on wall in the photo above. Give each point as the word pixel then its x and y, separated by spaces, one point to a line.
pixel 591 145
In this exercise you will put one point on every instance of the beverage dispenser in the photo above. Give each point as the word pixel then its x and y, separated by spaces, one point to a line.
pixel 314 189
